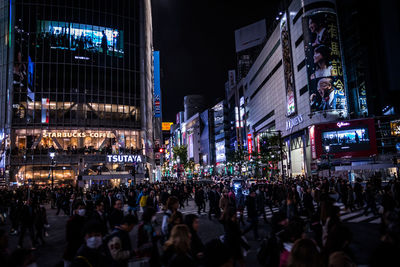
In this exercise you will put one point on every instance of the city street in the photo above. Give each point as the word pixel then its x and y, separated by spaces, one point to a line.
pixel 365 231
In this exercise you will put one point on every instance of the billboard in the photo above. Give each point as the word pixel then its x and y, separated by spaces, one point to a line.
pixel 166 126
pixel 250 36
pixel 343 140
pixel 220 151
pixel 80 37
pixel 323 62
pixel 349 139
pixel 288 69
pixel 157 89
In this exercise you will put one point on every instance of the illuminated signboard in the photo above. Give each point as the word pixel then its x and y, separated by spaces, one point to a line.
pixel 78 134
pixel 323 61
pixel 157 88
pixel 249 145
pixel 395 128
pixel 166 126
pixel 80 38
pixel 124 158
pixel 356 138
pixel 288 69
pixel 312 142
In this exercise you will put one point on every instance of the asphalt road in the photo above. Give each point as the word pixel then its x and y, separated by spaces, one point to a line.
pixel 365 237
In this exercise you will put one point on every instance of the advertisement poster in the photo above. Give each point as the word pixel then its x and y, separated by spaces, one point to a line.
pixel 288 70
pixel 323 62
pixel 157 89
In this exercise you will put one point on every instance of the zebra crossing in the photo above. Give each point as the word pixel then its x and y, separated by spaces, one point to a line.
pixel 355 216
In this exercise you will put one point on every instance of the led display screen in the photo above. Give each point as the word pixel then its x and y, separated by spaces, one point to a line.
pixel 346 140
pixel 80 37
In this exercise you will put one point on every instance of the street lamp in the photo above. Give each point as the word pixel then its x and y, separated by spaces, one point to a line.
pixel 52 155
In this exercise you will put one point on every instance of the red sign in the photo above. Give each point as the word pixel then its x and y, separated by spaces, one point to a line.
pixel 312 142
pixel 249 145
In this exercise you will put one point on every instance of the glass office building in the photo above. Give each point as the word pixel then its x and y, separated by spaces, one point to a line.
pixel 76 86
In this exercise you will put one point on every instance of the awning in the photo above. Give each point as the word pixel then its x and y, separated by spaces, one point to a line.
pixel 365 167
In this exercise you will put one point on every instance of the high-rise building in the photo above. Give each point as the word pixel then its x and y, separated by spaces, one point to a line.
pixel 76 89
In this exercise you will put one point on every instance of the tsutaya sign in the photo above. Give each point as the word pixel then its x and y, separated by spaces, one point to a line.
pixel 78 134
pixel 124 158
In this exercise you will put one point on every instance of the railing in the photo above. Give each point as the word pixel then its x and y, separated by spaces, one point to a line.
pixel 59 159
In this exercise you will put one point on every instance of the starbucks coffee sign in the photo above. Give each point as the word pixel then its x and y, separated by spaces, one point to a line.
pixel 124 158
pixel 78 134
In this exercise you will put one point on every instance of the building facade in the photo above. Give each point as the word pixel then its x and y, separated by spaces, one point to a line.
pixel 297 88
pixel 80 88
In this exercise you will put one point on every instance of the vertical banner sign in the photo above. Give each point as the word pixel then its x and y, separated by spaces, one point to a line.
pixel 323 61
pixel 362 97
pixel 45 110
pixel 232 78
pixel 30 92
pixel 249 145
pixel 312 142
pixel 157 89
pixel 288 70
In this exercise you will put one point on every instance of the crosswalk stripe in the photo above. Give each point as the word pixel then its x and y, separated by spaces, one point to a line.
pixel 354 216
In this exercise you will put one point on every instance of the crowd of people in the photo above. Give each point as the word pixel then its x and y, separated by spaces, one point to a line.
pixel 305 228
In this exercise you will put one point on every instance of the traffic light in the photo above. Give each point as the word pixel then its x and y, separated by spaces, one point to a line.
pixel 161 150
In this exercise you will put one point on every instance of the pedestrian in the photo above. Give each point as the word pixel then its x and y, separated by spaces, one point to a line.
pixel 148 238
pixel 99 216
pixel 304 253
pixel 27 219
pixel 252 214
pixel 117 214
pixel 92 252
pixel 232 237
pixel 172 207
pixel 177 248
pixel 73 233
pixel 119 245
pixel 196 245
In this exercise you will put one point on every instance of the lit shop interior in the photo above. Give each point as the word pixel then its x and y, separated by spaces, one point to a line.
pixel 39 155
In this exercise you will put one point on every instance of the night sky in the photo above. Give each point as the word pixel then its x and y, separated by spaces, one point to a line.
pixel 197 45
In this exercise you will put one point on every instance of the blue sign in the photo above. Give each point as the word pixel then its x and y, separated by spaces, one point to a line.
pixel 157 88
pixel 398 147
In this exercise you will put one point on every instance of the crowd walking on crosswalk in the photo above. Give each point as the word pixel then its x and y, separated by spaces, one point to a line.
pixel 306 221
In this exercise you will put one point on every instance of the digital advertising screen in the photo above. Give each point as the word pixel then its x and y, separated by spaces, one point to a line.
pixel 80 37
pixel 356 139
pixel 323 62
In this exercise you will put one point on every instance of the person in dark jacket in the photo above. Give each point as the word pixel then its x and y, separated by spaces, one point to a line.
pixel 92 251
pixel 99 216
pixel 148 237
pixel 252 214
pixel 196 245
pixel 116 215
pixel 27 219
pixel 73 232
pixel 233 236
pixel 308 202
